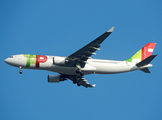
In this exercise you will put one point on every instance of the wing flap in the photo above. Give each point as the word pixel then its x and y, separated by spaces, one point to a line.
pixel 80 80
pixel 85 83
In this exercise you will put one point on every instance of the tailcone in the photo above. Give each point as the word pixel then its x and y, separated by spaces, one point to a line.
pixel 146 66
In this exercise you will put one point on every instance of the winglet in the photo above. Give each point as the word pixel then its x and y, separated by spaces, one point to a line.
pixel 111 29
pixel 93 85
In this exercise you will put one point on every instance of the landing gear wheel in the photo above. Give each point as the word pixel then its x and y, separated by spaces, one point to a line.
pixel 20 71
pixel 74 82
pixel 78 84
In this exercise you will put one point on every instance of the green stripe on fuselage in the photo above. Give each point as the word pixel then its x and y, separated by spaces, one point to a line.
pixel 30 59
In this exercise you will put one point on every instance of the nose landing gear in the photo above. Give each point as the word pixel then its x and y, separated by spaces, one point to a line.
pixel 20 68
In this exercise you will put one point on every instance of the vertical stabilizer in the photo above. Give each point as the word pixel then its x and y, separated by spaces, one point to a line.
pixel 143 53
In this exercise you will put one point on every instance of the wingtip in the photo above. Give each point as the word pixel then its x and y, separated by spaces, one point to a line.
pixel 111 29
pixel 93 85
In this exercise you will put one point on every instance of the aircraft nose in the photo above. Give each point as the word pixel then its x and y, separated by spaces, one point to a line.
pixel 6 60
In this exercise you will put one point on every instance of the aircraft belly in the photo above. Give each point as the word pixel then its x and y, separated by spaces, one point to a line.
pixel 111 69
pixel 62 69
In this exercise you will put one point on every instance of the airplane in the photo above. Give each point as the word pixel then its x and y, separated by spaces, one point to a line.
pixel 80 63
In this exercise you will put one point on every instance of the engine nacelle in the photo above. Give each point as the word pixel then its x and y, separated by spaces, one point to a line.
pixel 55 78
pixel 59 60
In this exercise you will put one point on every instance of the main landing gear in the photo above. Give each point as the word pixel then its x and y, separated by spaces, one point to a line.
pixel 78 77
pixel 76 80
pixel 20 68
pixel 78 83
pixel 79 72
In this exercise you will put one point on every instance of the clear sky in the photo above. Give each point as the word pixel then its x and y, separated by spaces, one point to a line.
pixel 50 27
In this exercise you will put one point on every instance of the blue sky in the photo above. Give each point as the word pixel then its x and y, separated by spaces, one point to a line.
pixel 62 27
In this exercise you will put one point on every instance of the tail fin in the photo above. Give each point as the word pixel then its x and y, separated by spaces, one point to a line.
pixel 143 53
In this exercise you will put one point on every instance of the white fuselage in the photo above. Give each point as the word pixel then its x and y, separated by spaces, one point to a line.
pixel 92 66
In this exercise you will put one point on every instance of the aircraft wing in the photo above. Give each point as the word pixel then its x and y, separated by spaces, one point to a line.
pixel 81 81
pixel 80 57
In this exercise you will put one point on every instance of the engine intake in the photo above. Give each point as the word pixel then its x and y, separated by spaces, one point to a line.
pixel 55 78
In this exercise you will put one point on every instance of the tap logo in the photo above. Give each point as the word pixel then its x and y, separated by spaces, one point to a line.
pixel 35 59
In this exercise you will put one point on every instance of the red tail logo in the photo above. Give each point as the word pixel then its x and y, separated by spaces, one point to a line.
pixel 147 50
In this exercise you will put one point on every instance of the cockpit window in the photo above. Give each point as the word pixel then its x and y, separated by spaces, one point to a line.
pixel 11 56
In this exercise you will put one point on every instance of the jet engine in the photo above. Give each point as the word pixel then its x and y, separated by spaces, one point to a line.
pixel 55 78
pixel 59 60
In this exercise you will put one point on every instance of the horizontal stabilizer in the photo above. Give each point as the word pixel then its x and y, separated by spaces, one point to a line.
pixel 146 61
pixel 146 70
